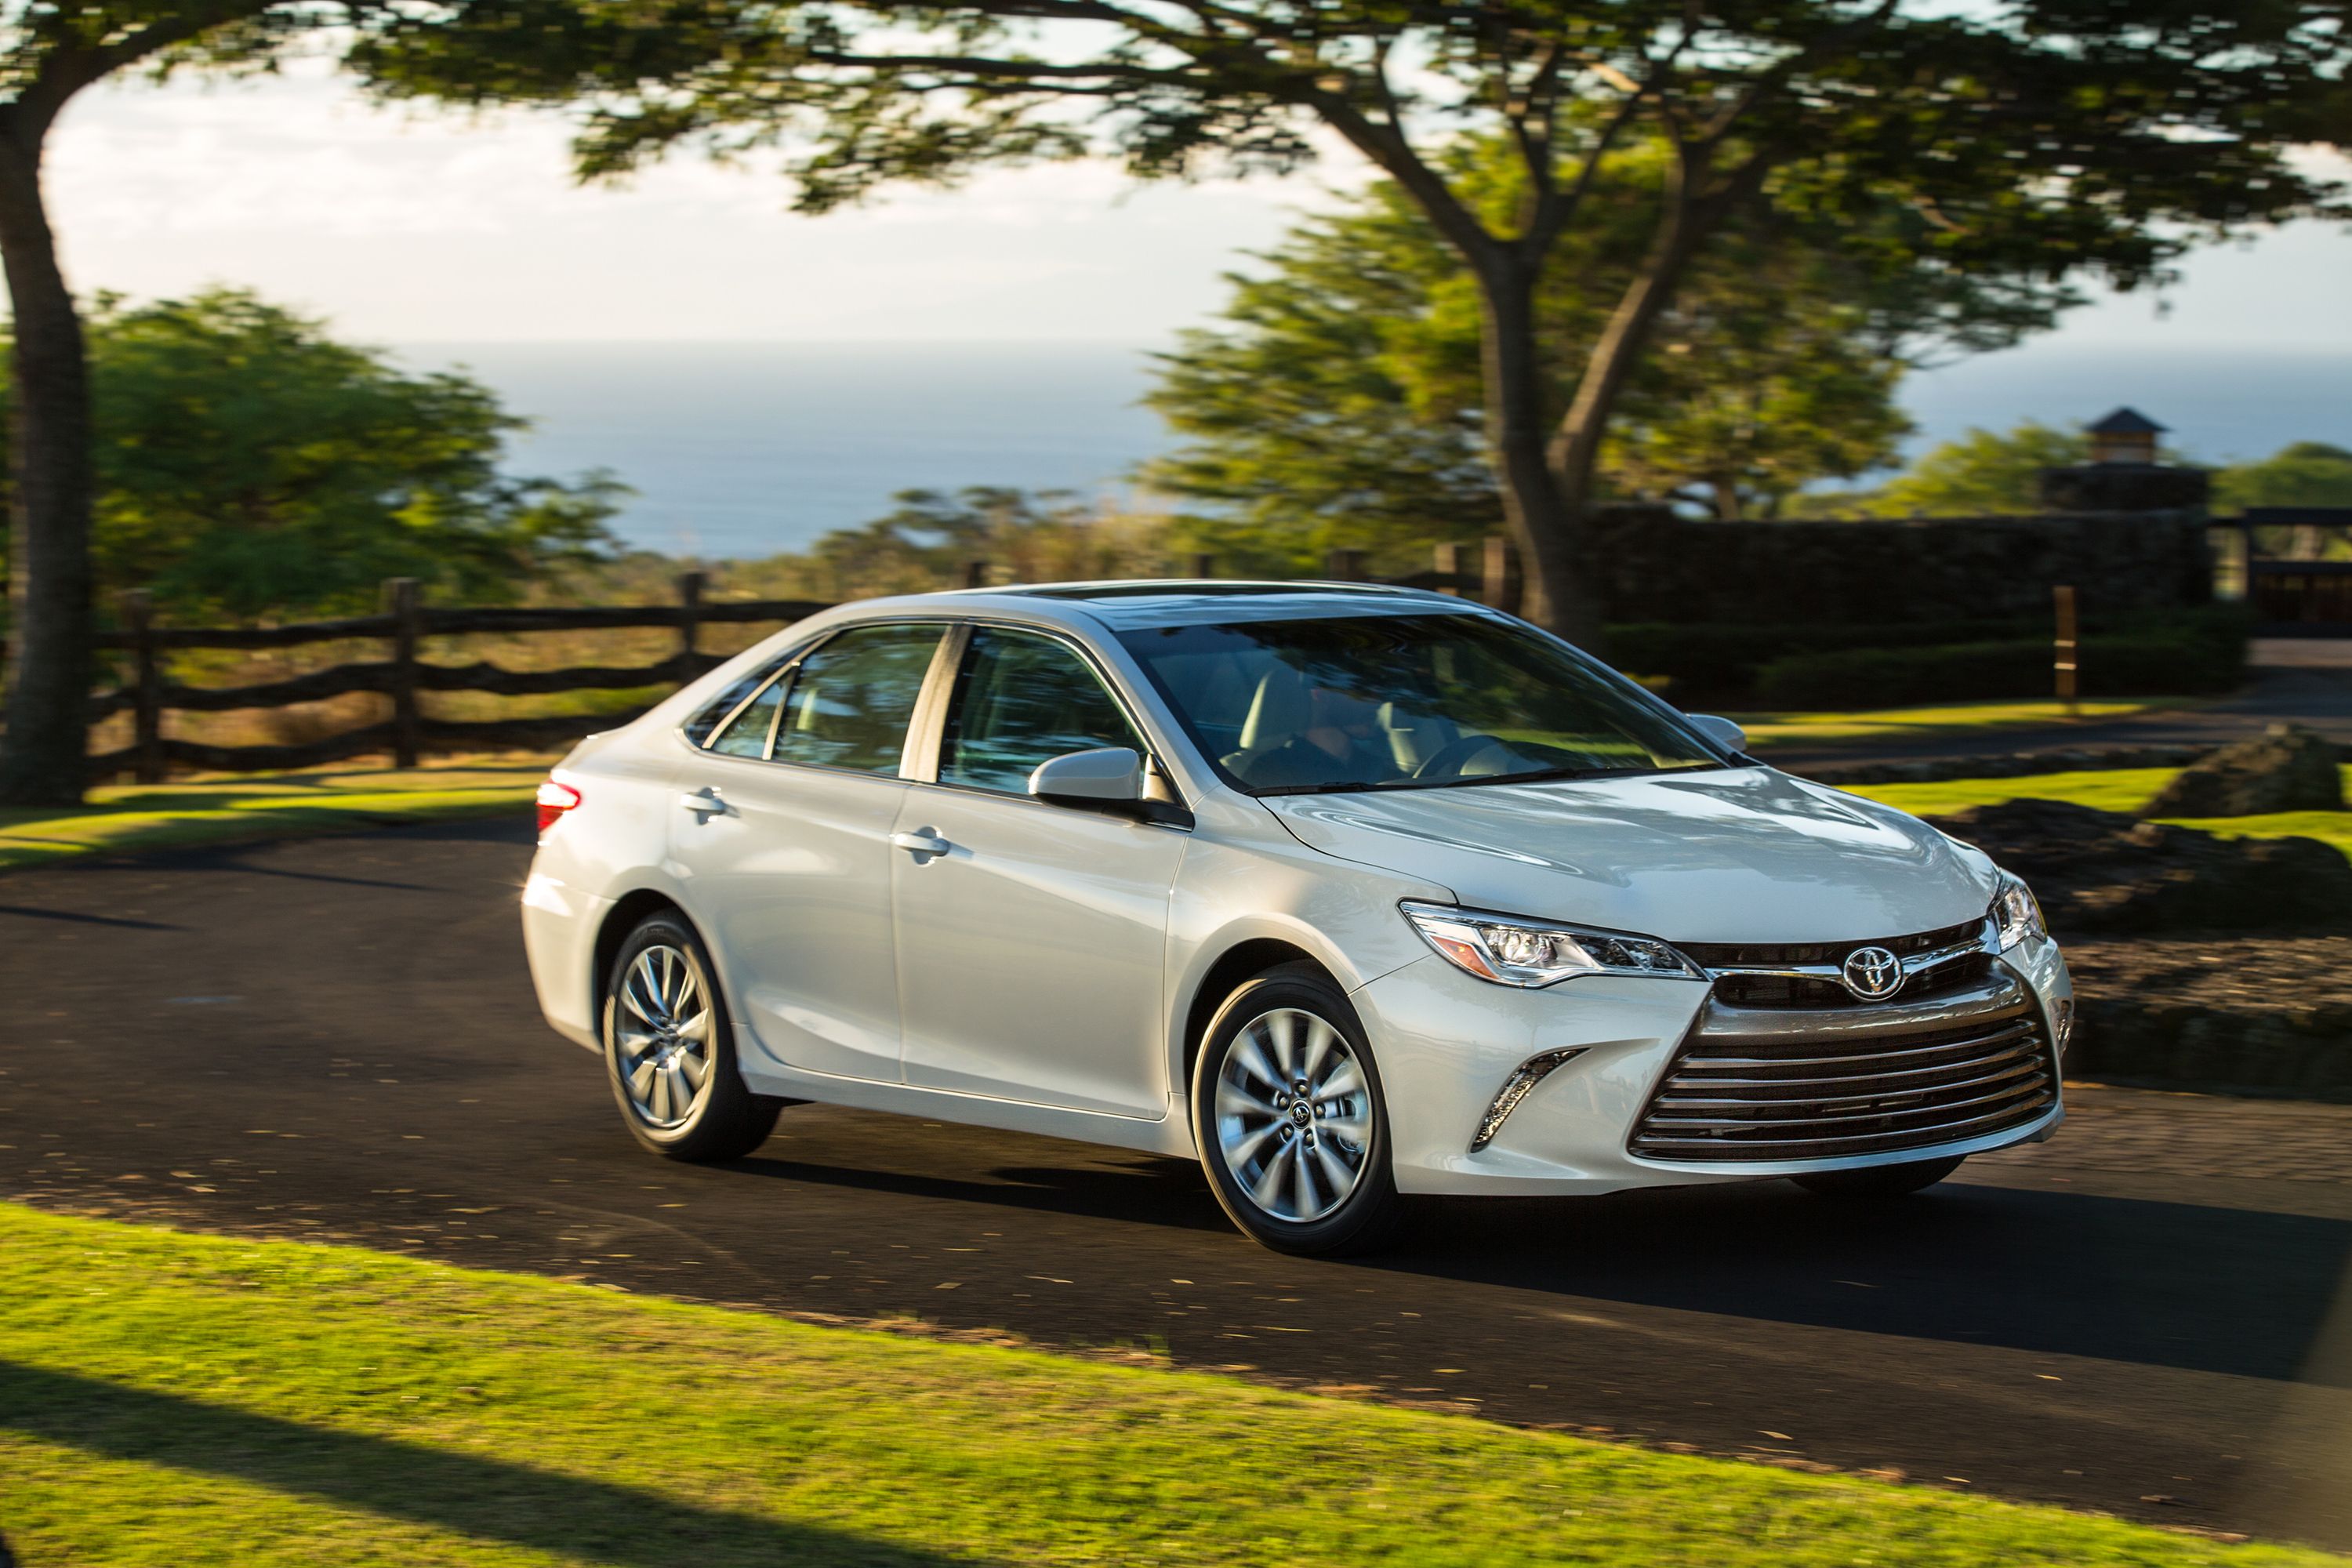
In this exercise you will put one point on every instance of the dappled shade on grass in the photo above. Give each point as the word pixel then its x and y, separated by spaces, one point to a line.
pixel 262 806
pixel 166 1399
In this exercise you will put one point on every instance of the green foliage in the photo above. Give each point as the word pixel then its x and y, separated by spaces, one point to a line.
pixel 2189 659
pixel 1988 152
pixel 1981 474
pixel 924 545
pixel 2307 473
pixel 1341 402
pixel 250 465
pixel 1775 665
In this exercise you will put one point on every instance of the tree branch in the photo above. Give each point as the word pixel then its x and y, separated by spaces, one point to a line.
pixel 1770 79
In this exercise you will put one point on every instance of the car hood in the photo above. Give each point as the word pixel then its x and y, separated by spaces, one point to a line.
pixel 1739 854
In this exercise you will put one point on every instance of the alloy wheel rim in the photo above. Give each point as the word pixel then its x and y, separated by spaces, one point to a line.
pixel 661 1031
pixel 1294 1115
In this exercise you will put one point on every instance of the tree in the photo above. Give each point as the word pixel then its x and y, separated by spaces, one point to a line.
pixel 1982 474
pixel 1338 402
pixel 247 465
pixel 2304 473
pixel 49 52
pixel 2030 137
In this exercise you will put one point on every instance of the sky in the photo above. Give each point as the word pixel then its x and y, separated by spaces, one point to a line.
pixel 403 225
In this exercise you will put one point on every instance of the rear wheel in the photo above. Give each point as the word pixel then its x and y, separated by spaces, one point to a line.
pixel 1874 1183
pixel 1287 1108
pixel 669 1053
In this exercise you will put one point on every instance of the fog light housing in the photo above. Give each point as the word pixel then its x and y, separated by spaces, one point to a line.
pixel 1531 1073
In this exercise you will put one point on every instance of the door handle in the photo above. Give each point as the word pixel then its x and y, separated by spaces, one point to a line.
pixel 921 842
pixel 705 802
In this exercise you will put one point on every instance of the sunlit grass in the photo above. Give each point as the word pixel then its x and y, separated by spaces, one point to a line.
pixel 2126 790
pixel 1766 729
pixel 220 809
pixel 179 1400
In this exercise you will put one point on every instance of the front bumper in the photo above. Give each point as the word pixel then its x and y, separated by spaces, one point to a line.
pixel 1447 1043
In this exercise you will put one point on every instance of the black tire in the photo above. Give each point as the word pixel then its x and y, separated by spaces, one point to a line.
pixel 1367 1216
pixel 724 1121
pixel 1875 1183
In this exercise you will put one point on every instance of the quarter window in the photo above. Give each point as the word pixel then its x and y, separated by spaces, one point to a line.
pixel 1020 699
pixel 746 735
pixel 851 700
pixel 713 713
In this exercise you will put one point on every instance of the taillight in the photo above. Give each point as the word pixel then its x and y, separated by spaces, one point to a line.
pixel 554 800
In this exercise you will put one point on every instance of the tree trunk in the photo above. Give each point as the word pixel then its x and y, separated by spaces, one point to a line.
pixel 1558 595
pixel 43 748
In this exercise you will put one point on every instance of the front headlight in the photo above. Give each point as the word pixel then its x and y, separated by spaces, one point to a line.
pixel 2016 912
pixel 1510 951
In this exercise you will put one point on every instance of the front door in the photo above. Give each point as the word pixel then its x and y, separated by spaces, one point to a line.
pixel 781 831
pixel 1031 952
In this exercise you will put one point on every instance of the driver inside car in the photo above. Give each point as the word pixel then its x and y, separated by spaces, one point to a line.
pixel 1334 735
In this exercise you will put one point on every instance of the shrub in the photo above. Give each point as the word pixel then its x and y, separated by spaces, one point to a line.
pixel 2186 660
pixel 1726 663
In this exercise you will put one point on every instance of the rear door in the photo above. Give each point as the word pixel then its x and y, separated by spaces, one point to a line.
pixel 1031 952
pixel 782 830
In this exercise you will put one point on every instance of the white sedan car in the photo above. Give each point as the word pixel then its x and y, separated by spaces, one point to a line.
pixel 1349 892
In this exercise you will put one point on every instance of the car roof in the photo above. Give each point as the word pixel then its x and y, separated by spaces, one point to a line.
pixel 1129 605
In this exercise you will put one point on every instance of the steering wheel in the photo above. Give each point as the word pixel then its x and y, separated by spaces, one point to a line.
pixel 1447 760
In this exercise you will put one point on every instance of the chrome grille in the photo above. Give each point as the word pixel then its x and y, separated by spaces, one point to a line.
pixel 1784 974
pixel 1774 1084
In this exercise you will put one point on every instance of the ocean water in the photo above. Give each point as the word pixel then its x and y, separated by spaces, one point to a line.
pixel 742 450
pixel 746 451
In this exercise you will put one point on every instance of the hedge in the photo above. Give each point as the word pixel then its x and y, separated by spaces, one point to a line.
pixel 2180 664
pixel 2201 649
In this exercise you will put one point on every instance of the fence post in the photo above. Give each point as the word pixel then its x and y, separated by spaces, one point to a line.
pixel 975 574
pixel 2067 658
pixel 1204 565
pixel 1345 566
pixel 690 619
pixel 1449 566
pixel 1495 576
pixel 401 601
pixel 138 610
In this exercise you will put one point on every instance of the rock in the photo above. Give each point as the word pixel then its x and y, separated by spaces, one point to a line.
pixel 2289 769
pixel 2100 870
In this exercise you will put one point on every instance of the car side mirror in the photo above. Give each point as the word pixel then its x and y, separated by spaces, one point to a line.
pixel 1110 776
pixel 1722 732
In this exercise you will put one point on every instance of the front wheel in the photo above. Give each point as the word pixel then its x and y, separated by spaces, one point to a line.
pixel 669 1053
pixel 1874 1183
pixel 1287 1108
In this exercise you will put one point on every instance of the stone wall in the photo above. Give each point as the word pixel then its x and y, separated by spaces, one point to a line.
pixel 1661 568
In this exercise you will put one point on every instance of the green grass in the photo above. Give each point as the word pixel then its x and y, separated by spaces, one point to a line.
pixel 170 1399
pixel 1766 730
pixel 2118 789
pixel 261 805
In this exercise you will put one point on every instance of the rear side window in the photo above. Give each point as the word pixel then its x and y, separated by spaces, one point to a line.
pixel 1021 700
pixel 851 700
pixel 746 735
pixel 713 713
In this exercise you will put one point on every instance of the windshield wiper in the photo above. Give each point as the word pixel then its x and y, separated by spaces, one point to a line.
pixel 1356 788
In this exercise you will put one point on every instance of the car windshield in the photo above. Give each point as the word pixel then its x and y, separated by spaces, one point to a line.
pixel 1405 701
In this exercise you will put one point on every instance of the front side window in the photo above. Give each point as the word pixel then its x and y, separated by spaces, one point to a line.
pixel 1359 702
pixel 851 700
pixel 1021 699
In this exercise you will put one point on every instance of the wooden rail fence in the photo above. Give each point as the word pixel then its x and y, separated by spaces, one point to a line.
pixel 147 693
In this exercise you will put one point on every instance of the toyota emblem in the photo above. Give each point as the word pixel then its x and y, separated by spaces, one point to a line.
pixel 1872 974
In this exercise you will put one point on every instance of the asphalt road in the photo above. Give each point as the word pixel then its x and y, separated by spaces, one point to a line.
pixel 335 1039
